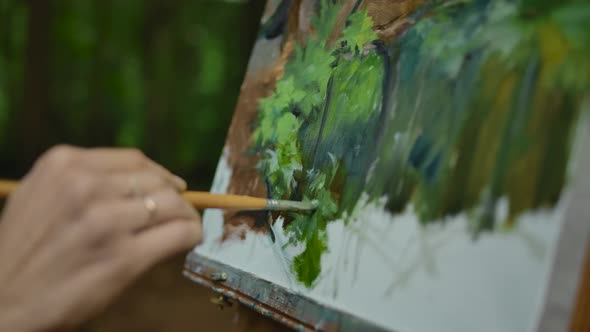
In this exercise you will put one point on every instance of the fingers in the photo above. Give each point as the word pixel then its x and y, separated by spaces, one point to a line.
pixel 127 160
pixel 61 159
pixel 135 184
pixel 139 254
pixel 140 213
pixel 158 243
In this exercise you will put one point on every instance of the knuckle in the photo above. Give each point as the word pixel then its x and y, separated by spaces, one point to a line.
pixel 160 182
pixel 78 186
pixel 59 157
pixel 137 157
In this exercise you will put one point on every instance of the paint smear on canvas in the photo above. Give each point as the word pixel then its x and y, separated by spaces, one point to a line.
pixel 454 119
pixel 464 103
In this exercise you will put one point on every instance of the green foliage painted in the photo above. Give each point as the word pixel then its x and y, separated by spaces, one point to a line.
pixel 482 99
pixel 311 228
pixel 359 32
pixel 300 99
pixel 307 265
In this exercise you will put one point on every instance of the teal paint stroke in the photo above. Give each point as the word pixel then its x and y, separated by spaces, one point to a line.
pixel 475 101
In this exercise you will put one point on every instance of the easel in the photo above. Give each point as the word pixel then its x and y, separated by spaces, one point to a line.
pixel 581 315
pixel 302 314
pixel 289 313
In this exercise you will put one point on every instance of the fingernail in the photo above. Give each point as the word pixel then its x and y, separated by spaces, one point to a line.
pixel 180 183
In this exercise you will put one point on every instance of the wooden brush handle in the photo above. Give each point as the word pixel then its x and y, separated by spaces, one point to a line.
pixel 7 187
pixel 200 200
pixel 204 200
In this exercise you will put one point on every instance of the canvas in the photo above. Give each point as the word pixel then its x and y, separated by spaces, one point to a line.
pixel 444 143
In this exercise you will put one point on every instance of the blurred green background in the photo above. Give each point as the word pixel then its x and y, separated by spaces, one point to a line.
pixel 160 75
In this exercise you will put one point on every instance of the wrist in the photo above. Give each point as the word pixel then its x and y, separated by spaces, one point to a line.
pixel 18 316
pixel 14 319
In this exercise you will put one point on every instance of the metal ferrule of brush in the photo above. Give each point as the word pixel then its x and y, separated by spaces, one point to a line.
pixel 280 205
pixel 274 204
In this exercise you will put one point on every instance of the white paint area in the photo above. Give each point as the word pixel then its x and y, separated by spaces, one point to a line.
pixel 394 272
pixel 222 175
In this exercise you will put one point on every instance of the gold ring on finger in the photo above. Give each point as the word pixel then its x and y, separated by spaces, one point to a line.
pixel 150 206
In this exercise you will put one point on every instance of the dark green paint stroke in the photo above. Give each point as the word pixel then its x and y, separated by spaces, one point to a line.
pixel 477 101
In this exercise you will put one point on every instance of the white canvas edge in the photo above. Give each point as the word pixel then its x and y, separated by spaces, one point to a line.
pixel 568 260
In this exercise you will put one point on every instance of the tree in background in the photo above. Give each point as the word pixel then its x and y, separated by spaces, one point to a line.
pixel 160 75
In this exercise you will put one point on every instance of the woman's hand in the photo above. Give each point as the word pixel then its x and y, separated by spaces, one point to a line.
pixel 83 224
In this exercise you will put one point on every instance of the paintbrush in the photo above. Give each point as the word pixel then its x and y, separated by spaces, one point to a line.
pixel 206 200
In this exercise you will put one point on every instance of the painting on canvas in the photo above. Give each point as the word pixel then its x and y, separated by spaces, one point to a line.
pixel 440 140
